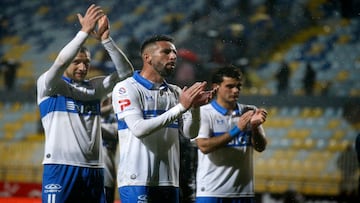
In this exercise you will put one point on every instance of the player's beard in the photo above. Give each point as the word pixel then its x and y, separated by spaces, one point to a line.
pixel 165 71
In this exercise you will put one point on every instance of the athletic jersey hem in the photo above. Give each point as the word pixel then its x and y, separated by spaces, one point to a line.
pixel 88 165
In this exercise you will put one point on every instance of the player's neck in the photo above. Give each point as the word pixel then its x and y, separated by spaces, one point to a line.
pixel 230 106
pixel 151 75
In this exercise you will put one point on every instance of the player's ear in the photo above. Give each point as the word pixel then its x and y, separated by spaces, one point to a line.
pixel 215 86
pixel 146 57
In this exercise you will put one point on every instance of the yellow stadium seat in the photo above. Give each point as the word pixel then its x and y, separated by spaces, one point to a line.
pixel 278 122
pixel 308 112
pixel 278 187
pixel 338 134
pixel 342 75
pixel 117 25
pixel 30 117
pixel 334 123
pixel 42 10
pixel 337 145
pixel 299 143
pixel 140 10
pixel 272 111
pixel 343 39
pixel 260 185
pixel 16 106
pixel 12 127
pixel 265 91
pixel 10 40
pixel 17 51
pixel 320 189
pixel 35 137
pixel 298 133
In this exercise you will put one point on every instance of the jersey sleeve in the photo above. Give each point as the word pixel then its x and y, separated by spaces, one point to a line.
pixel 52 78
pixel 205 129
pixel 122 64
pixel 125 100
pixel 191 123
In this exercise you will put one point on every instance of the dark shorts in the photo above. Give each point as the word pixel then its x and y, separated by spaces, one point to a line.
pixel 64 183
pixel 144 194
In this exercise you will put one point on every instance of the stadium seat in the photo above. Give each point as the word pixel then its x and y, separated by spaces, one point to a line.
pixel 337 145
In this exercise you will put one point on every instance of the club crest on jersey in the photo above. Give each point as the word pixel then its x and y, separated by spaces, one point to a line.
pixel 122 90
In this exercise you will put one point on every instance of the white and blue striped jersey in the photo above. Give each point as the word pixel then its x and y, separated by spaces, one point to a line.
pixel 149 123
pixel 228 171
pixel 70 111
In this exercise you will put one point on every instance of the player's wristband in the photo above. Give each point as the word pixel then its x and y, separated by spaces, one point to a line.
pixel 235 131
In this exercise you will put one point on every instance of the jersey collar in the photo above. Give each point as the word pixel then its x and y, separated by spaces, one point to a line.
pixel 222 110
pixel 71 81
pixel 147 83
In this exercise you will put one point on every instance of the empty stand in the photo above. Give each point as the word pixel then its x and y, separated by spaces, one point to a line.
pixel 303 150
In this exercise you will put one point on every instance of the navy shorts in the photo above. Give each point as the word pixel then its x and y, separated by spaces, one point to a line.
pixel 144 194
pixel 64 183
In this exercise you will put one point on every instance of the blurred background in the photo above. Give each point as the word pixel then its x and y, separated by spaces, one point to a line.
pixel 300 59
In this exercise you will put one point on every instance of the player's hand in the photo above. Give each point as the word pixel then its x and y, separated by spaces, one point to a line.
pixel 258 118
pixel 103 30
pixel 193 95
pixel 244 119
pixel 91 17
pixel 204 97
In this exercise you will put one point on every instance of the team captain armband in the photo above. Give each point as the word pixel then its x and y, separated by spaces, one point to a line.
pixel 235 131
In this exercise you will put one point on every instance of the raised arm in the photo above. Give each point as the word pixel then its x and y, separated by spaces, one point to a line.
pixel 123 65
pixel 67 54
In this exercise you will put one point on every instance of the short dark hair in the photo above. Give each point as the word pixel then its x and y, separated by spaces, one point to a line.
pixel 85 50
pixel 230 71
pixel 155 38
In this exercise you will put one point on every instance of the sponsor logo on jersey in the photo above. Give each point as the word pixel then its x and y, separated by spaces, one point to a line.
pixel 241 140
pixel 82 107
pixel 124 103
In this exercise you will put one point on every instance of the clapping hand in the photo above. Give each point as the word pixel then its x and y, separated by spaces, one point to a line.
pixel 91 17
pixel 258 118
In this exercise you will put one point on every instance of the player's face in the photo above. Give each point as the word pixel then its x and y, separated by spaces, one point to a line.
pixel 163 58
pixel 79 67
pixel 229 90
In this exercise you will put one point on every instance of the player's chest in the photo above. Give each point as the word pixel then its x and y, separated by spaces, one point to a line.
pixel 159 99
pixel 223 123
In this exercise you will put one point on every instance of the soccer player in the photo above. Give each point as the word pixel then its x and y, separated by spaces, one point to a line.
pixel 150 114
pixel 229 132
pixel 70 113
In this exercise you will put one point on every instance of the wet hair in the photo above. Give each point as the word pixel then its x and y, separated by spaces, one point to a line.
pixel 153 39
pixel 226 71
